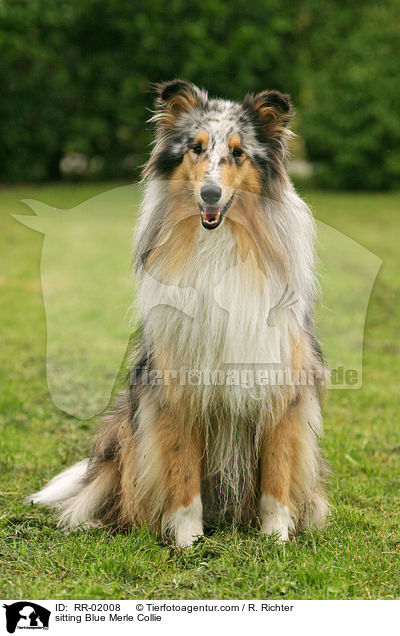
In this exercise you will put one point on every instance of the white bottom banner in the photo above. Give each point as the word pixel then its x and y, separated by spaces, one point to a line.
pixel 154 617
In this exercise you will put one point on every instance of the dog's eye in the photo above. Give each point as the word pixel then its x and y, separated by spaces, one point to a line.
pixel 197 149
pixel 237 152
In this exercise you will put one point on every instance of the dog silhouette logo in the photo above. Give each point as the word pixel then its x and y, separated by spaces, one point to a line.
pixel 26 615
pixel 88 291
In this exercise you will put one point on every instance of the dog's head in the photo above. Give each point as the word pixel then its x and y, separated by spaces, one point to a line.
pixel 213 150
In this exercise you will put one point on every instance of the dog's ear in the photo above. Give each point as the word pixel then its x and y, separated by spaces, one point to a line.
pixel 174 98
pixel 273 111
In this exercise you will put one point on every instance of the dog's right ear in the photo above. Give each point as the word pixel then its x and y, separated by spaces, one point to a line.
pixel 174 98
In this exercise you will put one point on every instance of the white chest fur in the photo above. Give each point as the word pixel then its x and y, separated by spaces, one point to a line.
pixel 225 312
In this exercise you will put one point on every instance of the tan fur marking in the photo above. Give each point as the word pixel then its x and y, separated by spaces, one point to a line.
pixel 178 103
pixel 173 459
pixel 277 455
pixel 176 236
pixel 272 119
pixel 252 234
pixel 202 138
pixel 251 178
pixel 234 142
pixel 131 512
pixel 230 175
pixel 191 170
pixel 171 257
pixel 291 465
pixel 183 101
pixel 181 456
pixel 301 358
pixel 242 175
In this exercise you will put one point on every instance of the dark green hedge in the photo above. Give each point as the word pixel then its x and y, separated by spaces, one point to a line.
pixel 75 78
pixel 350 98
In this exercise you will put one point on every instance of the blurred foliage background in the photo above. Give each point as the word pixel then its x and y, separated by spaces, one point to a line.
pixel 75 80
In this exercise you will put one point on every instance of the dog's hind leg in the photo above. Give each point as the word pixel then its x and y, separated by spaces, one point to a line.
pixel 309 469
pixel 290 477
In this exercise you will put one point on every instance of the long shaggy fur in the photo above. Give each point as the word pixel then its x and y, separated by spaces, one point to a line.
pixel 176 453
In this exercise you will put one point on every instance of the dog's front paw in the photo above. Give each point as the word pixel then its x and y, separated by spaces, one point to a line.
pixel 275 518
pixel 186 523
pixel 186 534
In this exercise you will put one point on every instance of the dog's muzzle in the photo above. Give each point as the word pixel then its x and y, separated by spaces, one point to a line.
pixel 212 216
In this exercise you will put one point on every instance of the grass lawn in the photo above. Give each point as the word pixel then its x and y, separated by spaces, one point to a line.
pixel 357 554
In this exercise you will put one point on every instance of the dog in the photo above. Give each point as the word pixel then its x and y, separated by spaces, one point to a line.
pixel 221 226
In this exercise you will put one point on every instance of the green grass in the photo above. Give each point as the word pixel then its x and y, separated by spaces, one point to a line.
pixel 357 554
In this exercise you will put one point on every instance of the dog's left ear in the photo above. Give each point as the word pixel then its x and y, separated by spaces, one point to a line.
pixel 174 98
pixel 272 109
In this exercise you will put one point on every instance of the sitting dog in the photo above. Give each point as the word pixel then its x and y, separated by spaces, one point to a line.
pixel 189 442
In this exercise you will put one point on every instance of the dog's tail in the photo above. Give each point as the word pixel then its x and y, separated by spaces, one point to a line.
pixel 62 486
pixel 88 494
pixel 62 490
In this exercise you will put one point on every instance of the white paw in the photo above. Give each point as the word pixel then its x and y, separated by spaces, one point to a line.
pixel 187 533
pixel 186 523
pixel 275 518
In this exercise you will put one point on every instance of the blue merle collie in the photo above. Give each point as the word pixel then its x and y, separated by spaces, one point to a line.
pixel 225 263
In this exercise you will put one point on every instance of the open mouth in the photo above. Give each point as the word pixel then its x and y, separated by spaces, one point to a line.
pixel 211 216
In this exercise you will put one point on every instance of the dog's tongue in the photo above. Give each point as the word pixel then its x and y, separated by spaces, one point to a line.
pixel 211 214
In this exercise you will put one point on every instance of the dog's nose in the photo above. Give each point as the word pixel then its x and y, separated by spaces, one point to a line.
pixel 210 193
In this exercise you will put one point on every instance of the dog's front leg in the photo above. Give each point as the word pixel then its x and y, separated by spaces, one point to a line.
pixel 277 456
pixel 292 469
pixel 182 451
pixel 167 464
pixel 168 476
